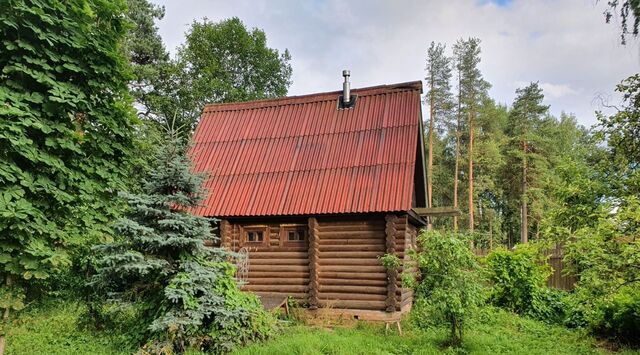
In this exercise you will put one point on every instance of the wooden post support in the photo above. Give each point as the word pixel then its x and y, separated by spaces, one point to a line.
pixel 225 234
pixel 314 249
pixel 392 274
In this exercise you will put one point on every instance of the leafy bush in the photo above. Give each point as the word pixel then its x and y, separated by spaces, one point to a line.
pixel 607 258
pixel 619 317
pixel 449 290
pixel 518 283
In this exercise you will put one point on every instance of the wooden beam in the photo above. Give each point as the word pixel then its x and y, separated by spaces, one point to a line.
pixel 437 211
pixel 392 275
pixel 314 250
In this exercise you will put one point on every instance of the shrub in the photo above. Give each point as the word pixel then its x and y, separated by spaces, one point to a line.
pixel 619 317
pixel 518 283
pixel 449 290
pixel 607 258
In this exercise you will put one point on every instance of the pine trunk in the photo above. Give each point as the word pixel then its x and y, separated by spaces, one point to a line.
pixel 471 221
pixel 524 230
pixel 430 162
pixel 457 164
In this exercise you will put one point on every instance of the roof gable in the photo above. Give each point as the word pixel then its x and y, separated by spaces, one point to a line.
pixel 302 155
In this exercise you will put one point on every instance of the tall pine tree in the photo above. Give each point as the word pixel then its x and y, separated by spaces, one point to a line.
pixel 526 145
pixel 440 102
pixel 472 90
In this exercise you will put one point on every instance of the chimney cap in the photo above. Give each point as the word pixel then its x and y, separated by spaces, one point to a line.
pixel 346 73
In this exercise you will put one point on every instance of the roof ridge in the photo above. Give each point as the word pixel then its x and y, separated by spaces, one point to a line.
pixel 309 98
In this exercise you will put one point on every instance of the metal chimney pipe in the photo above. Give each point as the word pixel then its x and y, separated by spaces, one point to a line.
pixel 346 87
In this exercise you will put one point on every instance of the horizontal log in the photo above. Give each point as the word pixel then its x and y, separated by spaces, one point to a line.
pixel 350 254
pixel 277 281
pixel 339 234
pixel 279 288
pixel 352 275
pixel 373 247
pixel 369 305
pixel 355 224
pixel 351 296
pixel 354 282
pixel 352 290
pixel 298 268
pixel 282 261
pixel 343 261
pixel 437 211
pixel 352 241
pixel 278 274
pixel 351 268
pixel 277 254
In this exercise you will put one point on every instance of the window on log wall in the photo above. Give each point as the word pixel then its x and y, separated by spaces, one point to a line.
pixel 293 235
pixel 255 235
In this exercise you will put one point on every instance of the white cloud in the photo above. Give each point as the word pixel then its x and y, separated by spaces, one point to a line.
pixel 565 45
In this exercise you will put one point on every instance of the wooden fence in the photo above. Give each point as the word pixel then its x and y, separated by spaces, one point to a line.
pixel 558 279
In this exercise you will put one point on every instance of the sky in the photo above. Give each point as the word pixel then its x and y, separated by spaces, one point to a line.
pixel 565 45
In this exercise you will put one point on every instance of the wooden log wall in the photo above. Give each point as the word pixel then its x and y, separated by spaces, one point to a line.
pixel 337 266
pixel 274 268
pixel 350 273
pixel 405 295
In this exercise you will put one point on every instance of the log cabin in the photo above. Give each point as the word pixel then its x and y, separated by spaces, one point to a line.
pixel 315 189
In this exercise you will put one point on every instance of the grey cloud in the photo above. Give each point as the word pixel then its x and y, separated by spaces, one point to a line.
pixel 563 44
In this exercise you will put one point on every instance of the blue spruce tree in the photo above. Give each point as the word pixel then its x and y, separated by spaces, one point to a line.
pixel 183 291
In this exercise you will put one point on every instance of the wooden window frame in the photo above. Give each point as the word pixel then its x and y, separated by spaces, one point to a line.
pixel 244 233
pixel 284 235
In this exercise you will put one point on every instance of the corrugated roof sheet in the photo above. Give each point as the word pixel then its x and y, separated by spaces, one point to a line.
pixel 301 155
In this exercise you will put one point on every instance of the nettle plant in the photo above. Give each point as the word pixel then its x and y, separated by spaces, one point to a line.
pixel 183 292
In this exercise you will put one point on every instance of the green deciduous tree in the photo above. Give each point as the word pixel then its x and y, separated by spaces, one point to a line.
pixel 221 62
pixel 185 293
pixel 65 133
pixel 629 12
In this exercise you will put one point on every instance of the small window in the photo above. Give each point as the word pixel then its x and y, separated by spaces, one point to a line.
pixel 296 236
pixel 293 235
pixel 255 235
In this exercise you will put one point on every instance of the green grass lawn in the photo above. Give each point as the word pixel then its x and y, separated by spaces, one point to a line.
pixel 52 329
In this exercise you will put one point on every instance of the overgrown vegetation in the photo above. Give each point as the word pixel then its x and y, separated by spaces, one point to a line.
pixel 66 128
pixel 52 329
pixel 518 280
pixel 449 290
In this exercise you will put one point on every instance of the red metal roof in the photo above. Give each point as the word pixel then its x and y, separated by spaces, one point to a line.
pixel 301 155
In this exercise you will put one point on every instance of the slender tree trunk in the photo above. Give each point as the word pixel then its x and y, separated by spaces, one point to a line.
pixel 490 234
pixel 524 230
pixel 457 164
pixel 5 319
pixel 430 162
pixel 471 221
